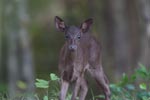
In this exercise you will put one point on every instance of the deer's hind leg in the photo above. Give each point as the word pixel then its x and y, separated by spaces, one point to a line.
pixel 101 80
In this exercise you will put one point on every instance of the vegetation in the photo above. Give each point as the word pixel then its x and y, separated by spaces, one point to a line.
pixel 133 87
pixel 30 44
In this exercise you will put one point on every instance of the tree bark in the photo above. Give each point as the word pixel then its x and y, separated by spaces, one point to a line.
pixel 120 31
pixel 24 38
pixel 134 32
pixel 16 21
pixel 144 8
pixel 1 10
pixel 11 30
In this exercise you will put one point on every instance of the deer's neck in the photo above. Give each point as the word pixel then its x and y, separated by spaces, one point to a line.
pixel 73 55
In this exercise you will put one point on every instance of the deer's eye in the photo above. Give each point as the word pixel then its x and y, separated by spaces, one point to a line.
pixel 66 36
pixel 79 37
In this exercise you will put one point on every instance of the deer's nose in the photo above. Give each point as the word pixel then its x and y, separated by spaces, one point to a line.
pixel 72 47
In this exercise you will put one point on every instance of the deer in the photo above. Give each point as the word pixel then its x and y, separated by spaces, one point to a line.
pixel 80 53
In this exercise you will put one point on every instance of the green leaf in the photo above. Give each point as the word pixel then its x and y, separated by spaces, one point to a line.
pixel 21 84
pixel 112 86
pixel 69 97
pixel 143 86
pixel 142 71
pixel 42 83
pixel 115 88
pixel 45 98
pixel 125 77
pixel 130 87
pixel 124 80
pixel 133 78
pixel 142 94
pixel 53 77
pixel 39 85
pixel 141 65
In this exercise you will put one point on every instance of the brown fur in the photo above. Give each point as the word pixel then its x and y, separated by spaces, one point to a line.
pixel 81 52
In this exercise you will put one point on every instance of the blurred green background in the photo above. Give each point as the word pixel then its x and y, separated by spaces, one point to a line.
pixel 30 43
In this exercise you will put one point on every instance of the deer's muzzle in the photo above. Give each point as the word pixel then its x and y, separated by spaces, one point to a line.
pixel 72 47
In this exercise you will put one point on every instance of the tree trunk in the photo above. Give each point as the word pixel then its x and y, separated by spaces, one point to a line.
pixel 120 31
pixel 27 59
pixel 1 10
pixel 144 7
pixel 11 29
pixel 16 21
pixel 134 28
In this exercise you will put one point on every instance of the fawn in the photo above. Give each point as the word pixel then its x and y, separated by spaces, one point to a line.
pixel 81 53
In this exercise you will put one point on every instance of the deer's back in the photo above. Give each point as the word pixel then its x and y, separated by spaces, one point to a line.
pixel 93 50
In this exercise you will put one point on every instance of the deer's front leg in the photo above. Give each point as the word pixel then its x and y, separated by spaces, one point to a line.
pixel 83 89
pixel 76 89
pixel 64 89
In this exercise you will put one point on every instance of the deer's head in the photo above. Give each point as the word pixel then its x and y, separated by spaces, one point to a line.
pixel 73 34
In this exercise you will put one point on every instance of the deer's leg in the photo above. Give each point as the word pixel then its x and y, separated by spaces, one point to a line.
pixel 83 89
pixel 101 80
pixel 76 89
pixel 64 89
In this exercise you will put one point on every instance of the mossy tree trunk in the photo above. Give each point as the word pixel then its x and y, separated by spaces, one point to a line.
pixel 20 60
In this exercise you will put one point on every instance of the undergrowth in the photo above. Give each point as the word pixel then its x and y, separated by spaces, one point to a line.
pixel 133 87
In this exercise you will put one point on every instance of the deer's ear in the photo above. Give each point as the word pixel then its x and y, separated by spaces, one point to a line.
pixel 85 26
pixel 60 24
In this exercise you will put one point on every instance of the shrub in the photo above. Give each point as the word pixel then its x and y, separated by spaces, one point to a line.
pixel 135 87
